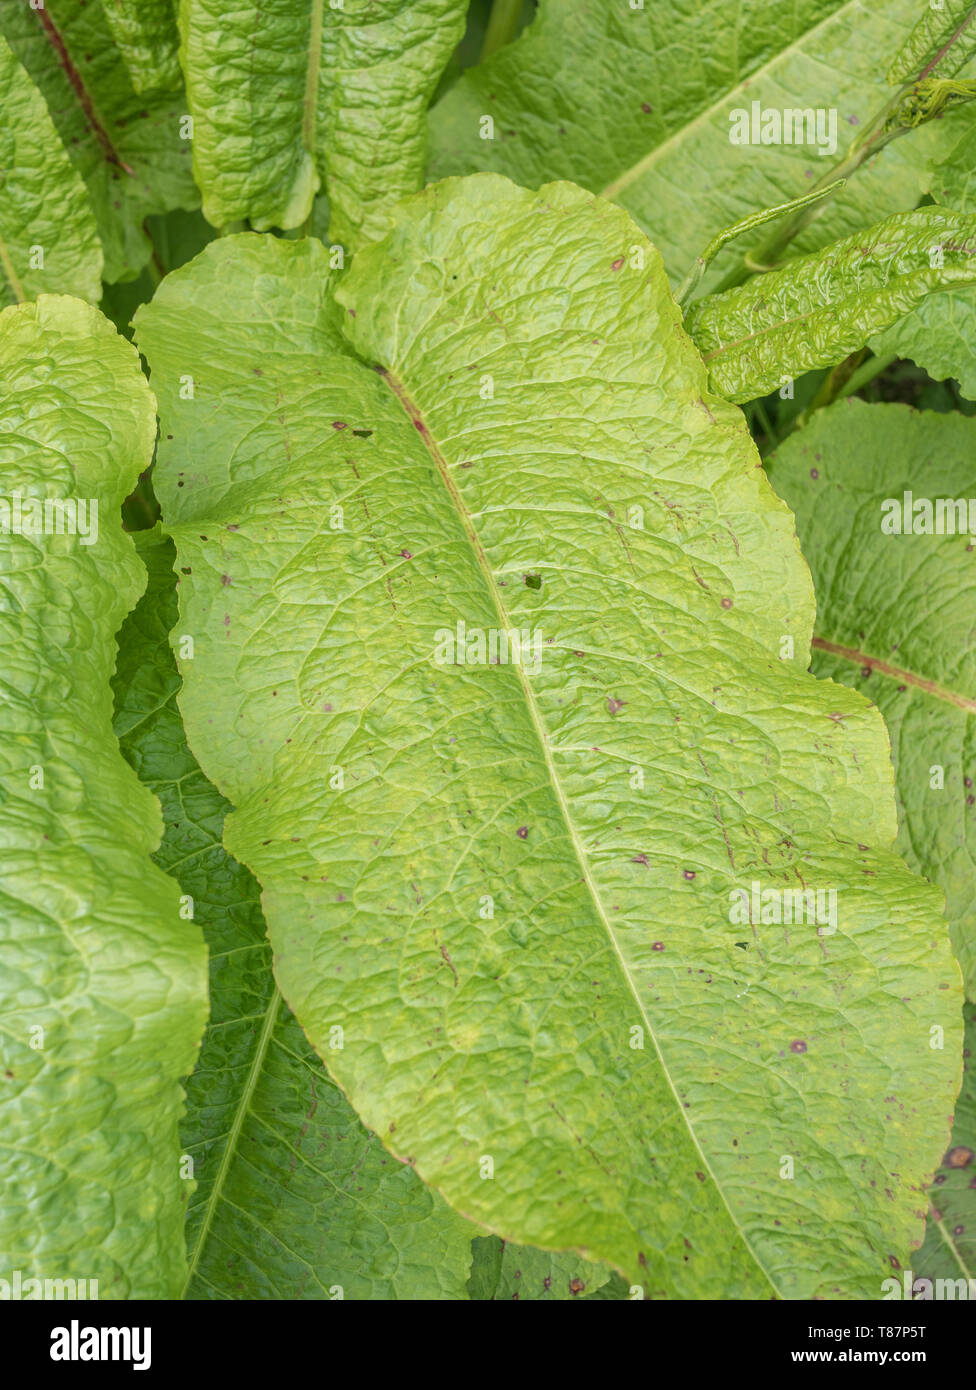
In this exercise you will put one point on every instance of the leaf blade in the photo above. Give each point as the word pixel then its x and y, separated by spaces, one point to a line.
pixel 463 1013
pixel 98 957
pixel 818 309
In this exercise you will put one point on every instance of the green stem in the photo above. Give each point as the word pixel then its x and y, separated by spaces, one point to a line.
pixel 755 219
pixel 502 27
pixel 865 374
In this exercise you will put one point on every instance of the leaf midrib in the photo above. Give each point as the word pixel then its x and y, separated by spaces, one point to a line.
pixel 312 70
pixel 616 186
pixel 416 417
pixel 230 1148
pixel 923 683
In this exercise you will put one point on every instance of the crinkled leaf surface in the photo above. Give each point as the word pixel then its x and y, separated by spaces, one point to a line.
pixel 297 94
pixel 949 1251
pixel 104 993
pixel 127 147
pixel 294 1199
pixel 821 307
pixel 501 1272
pixel 43 202
pixel 511 885
pixel 942 42
pixel 636 103
pixel 940 332
pixel 895 616
pixel 148 39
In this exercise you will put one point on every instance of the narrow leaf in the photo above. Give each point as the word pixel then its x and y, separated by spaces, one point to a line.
pixel 103 997
pixel 299 94
pixel 517 884
pixel 132 151
pixel 819 308
pixel 942 42
pixel 940 332
pixel 855 473
pixel 48 239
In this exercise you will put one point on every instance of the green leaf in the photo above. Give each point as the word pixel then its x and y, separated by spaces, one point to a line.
pixel 942 42
pixel 949 1251
pixel 103 997
pixel 176 237
pixel 148 39
pixel 895 616
pixel 294 1198
pixel 296 95
pixel 516 1273
pixel 940 332
pixel 127 148
pixel 510 884
pixel 44 206
pixel 820 308
pixel 637 104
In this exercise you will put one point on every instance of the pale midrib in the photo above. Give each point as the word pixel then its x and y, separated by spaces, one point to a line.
pixel 243 1105
pixel 622 181
pixel 504 620
pixel 953 1247
pixel 310 104
pixel 929 687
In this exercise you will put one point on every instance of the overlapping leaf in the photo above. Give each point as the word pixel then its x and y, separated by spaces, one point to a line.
pixel 635 102
pixel 895 613
pixel 501 1272
pixel 131 150
pixel 103 997
pixel 949 1251
pixel 48 239
pixel 510 883
pixel 821 307
pixel 301 94
pixel 940 332
pixel 294 1199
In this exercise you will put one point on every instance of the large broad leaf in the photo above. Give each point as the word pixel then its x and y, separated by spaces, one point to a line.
pixel 516 884
pixel 294 1198
pixel 949 1251
pixel 299 94
pixel 940 333
pixel 895 613
pixel 48 238
pixel 129 149
pixel 148 39
pixel 103 997
pixel 636 103
pixel 820 308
